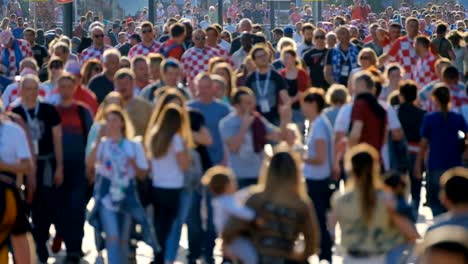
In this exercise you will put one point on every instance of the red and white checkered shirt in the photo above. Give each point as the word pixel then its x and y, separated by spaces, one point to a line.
pixel 424 71
pixel 223 54
pixel 141 49
pixel 93 53
pixel 26 51
pixel 195 60
pixel 403 52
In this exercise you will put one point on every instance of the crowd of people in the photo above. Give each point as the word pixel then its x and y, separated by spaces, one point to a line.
pixel 316 141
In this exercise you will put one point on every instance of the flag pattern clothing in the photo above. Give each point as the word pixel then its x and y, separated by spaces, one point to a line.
pixel 195 61
pixel 424 72
pixel 403 52
pixel 26 51
pixel 458 97
pixel 141 49
pixel 11 94
pixel 93 53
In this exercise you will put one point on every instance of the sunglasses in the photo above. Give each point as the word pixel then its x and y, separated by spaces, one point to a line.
pixel 146 31
pixel 319 37
pixel 365 58
pixel 99 36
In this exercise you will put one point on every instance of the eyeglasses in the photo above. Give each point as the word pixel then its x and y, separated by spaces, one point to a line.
pixel 146 31
pixel 99 36
pixel 320 37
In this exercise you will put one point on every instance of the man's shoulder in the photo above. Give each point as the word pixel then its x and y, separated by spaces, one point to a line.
pixel 450 219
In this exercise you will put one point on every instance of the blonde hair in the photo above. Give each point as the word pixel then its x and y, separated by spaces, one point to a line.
pixel 173 120
pixel 231 83
pixel 284 42
pixel 100 114
pixel 369 51
pixel 337 93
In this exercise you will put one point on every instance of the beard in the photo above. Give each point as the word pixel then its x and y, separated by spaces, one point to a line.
pixel 308 42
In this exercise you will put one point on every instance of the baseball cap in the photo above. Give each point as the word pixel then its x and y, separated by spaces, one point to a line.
pixel 73 67
pixel 277 31
pixel 5 37
pixel 288 30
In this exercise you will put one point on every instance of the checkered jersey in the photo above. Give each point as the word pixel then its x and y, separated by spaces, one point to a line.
pixel 458 97
pixel 26 51
pixel 93 53
pixel 403 52
pixel 195 60
pixel 424 71
pixel 141 49
pixel 12 93
pixel 223 54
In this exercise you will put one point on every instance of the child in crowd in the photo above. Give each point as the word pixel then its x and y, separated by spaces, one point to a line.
pixel 222 184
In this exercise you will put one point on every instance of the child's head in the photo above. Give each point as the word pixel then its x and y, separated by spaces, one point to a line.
pixel 394 181
pixel 220 180
pixel 454 186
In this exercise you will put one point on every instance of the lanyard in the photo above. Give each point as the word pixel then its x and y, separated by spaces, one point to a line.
pixel 262 92
pixel 345 57
pixel 36 111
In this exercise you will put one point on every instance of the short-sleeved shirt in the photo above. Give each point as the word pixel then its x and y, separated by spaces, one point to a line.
pixel 458 97
pixel 374 128
pixel 141 49
pixel 100 85
pixel 213 113
pixel 195 60
pixel 13 143
pixel 450 219
pixel 444 145
pixel 258 84
pixel 39 53
pixel 165 171
pixel 411 118
pixel 245 163
pixel 403 52
pixel 442 46
pixel 320 129
pixel 48 118
pixel 315 61
pixel 424 71
pixel 93 53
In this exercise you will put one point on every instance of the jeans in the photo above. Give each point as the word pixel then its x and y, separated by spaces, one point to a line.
pixel 166 207
pixel 433 189
pixel 244 250
pixel 319 193
pixel 172 242
pixel 201 237
pixel 416 185
pixel 117 232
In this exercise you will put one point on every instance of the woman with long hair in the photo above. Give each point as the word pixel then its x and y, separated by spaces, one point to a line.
pixel 298 81
pixel 118 160
pixel 225 70
pixel 367 60
pixel 54 70
pixel 281 200
pixel 364 210
pixel 443 135
pixel 168 145
pixel 89 69
pixel 461 54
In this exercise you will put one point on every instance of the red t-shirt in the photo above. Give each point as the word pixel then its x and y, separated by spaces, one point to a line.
pixel 172 49
pixel 86 97
pixel 374 129
pixel 360 13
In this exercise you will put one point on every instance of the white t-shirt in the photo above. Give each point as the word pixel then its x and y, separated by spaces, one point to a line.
pixel 320 129
pixel 343 121
pixel 165 171
pixel 226 206
pixel 13 143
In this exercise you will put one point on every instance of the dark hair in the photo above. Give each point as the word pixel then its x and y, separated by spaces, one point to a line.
pixel 395 25
pixel 423 40
pixel 450 73
pixel 177 30
pixel 315 95
pixel 454 184
pixel 441 28
pixel 409 90
pixel 241 91
pixel 217 179
pixel 451 247
pixel 394 98
pixel 212 28
pixel 257 48
pixel 442 94
pixel 307 26
pixel 394 179
pixel 170 63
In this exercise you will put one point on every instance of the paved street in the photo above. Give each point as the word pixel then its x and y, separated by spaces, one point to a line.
pixel 145 255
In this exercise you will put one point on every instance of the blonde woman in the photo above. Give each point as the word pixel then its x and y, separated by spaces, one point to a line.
pixel 168 145
pixel 225 70
pixel 281 200
pixel 363 210
pixel 118 160
pixel 367 60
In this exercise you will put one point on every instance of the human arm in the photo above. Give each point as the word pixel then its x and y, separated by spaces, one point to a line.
pixel 182 153
pixel 402 223
pixel 24 248
pixel 58 151
pixel 418 164
pixel 355 134
pixel 320 153
pixel 310 229
pixel 202 136
pixel 235 141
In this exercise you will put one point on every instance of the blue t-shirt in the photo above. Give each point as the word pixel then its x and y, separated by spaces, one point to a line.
pixel 18 33
pixel 213 113
pixel 245 163
pixel 445 151
pixel 405 209
pixel 450 219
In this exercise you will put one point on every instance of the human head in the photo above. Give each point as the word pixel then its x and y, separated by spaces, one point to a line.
pixel 90 69
pixel 441 29
pixel 124 83
pixel 29 88
pixel 29 63
pixel 118 120
pixel 54 68
pixel 30 35
pixel 134 39
pixel 408 91
pixel 307 33
pixel 171 72
pixel 243 99
pixel 454 184
pixel 140 69
pixel 199 38
pixel 331 39
pixel 20 21
pixel 286 42
pixel 122 38
pixel 363 83
pixel 412 27
pixel 220 180
pixel 422 45
pixel 450 75
pixel 97 35
pixel 204 87
pixel 226 36
pixel 445 244
pixel 394 31
pixel 337 95
pixel 312 103
pixel 212 36
pixel 441 97
pixel 440 66
pixel 177 32
pixel 66 85
pixel 147 32
pixel 394 73
pixel 246 41
pixel 226 71
pixel 260 55
pixel 367 58
pixel 111 59
pixel 220 86
pixel 278 33
pixel 394 181
pixel 245 25
pixel 343 35
pixel 319 38
pixel 125 62
pixel 155 60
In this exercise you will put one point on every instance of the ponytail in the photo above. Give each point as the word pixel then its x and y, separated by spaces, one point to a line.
pixel 441 94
